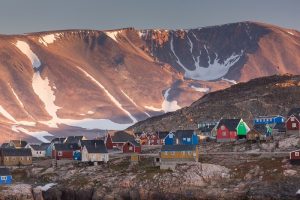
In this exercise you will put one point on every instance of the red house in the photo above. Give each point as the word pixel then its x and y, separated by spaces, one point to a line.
pixel 118 139
pixel 142 138
pixel 132 147
pixel 295 155
pixel 293 121
pixel 64 151
pixel 153 139
pixel 226 130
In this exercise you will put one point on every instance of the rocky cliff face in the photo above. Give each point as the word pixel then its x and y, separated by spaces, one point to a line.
pixel 262 96
pixel 54 81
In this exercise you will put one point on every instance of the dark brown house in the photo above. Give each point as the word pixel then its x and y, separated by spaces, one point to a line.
pixel 15 157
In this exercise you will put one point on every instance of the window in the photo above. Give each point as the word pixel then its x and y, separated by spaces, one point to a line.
pixel 293 125
pixel 224 133
pixel 189 139
pixel 171 136
pixel 184 139
pixel 292 119
pixel 130 148
pixel 296 153
pixel 3 178
pixel 222 127
pixel 59 153
pixel 28 158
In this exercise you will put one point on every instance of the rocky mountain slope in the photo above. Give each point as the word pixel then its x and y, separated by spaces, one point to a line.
pixel 53 82
pixel 262 96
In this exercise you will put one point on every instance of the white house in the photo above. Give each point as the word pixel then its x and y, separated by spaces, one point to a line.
pixel 38 150
pixel 94 151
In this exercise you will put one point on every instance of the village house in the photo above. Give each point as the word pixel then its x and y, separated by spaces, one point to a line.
pixel 94 151
pixel 131 147
pixel 38 150
pixel 153 139
pixel 187 137
pixel 118 139
pixel 15 157
pixel 171 155
pixel 17 144
pixel 65 151
pixel 206 128
pixel 231 130
pixel 272 119
pixel 142 138
pixel 74 139
pixel 259 132
pixel 5 176
pixel 293 121
pixel 161 136
pixel 279 128
pixel 51 146
pixel 295 156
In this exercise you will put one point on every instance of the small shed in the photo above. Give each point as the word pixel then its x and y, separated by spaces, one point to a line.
pixel 132 147
pixel 5 176
pixel 295 155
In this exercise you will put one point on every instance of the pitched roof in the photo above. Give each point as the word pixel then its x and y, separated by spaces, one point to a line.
pixel 295 112
pixel 15 152
pixel 19 143
pixel 163 134
pixel 66 147
pixel 184 133
pixel 91 142
pixel 58 140
pixel 4 171
pixel 39 147
pixel 122 136
pixel 73 139
pixel 135 143
pixel 178 148
pixel 207 128
pixel 98 147
pixel 6 145
pixel 261 128
pixel 231 124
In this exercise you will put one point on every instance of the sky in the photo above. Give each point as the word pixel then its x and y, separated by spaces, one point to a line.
pixel 23 16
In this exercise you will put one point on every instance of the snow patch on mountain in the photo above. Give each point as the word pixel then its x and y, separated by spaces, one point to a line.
pixel 6 114
pixel 214 70
pixel 167 106
pixel 90 112
pixel 48 39
pixel 113 34
pixel 42 88
pixel 230 81
pixel 40 135
pixel 200 89
pixel 25 49
pixel 112 98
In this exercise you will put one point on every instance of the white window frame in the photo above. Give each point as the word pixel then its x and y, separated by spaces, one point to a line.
pixel 3 178
pixel 294 125
pixel 297 154
pixel 292 119
pixel 59 153
pixel 188 139
pixel 130 148
pixel 224 133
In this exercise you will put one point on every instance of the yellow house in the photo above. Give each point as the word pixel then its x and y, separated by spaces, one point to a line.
pixel 170 155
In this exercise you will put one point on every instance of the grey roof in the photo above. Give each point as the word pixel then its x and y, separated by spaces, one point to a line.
pixel 15 152
pixel 6 145
pixel 178 148
pixel 162 134
pixel 295 112
pixel 122 136
pixel 40 147
pixel 207 128
pixel 73 139
pixel 4 171
pixel 261 128
pixel 135 143
pixel 58 140
pixel 280 127
pixel 19 143
pixel 91 142
pixel 231 124
pixel 66 147
pixel 184 134
pixel 97 147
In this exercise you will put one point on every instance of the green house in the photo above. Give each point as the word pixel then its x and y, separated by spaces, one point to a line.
pixel 242 129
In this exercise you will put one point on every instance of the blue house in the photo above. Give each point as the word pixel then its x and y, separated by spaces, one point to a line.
pixel 5 176
pixel 273 119
pixel 170 139
pixel 184 137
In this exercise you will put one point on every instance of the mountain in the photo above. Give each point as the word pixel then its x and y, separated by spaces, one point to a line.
pixel 82 81
pixel 270 95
